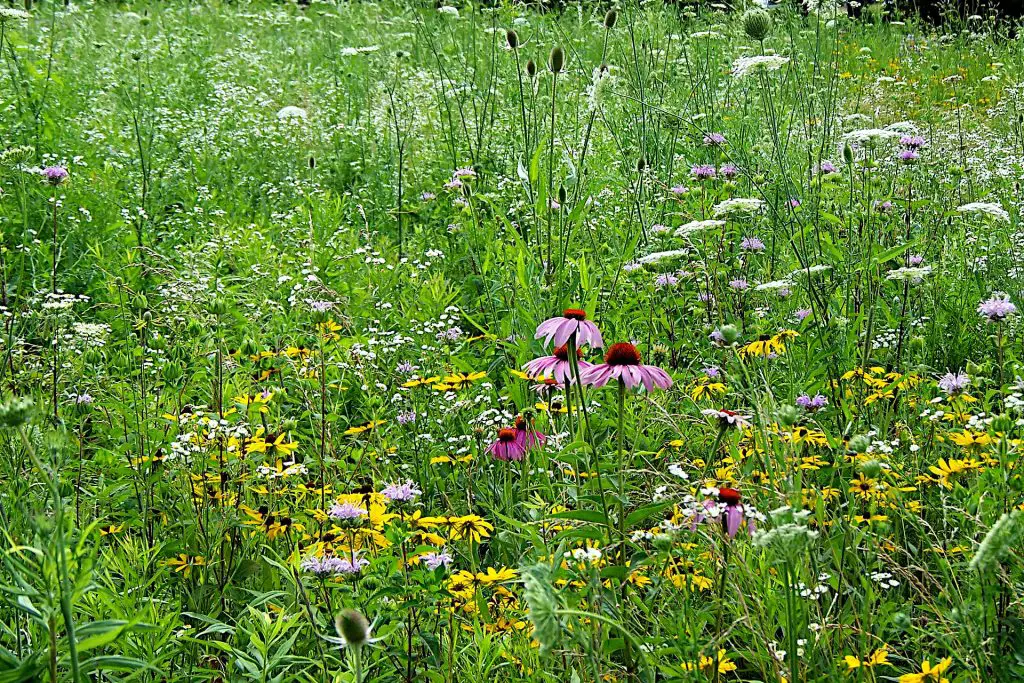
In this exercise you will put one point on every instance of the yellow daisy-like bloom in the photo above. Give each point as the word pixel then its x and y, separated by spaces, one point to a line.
pixel 458 381
pixel 462 584
pixel 493 575
pixel 183 564
pixel 879 657
pixel 471 527
pixel 259 400
pixel 413 383
pixel 948 470
pixel 372 424
pixel 329 330
pixel 864 487
pixel 929 673
pixel 969 440
pixel 707 664
pixel 271 443
pixel 705 388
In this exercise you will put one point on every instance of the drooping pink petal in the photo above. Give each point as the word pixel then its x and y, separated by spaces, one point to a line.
pixel 566 330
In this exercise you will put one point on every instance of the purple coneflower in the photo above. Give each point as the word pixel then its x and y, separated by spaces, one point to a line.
pixel 573 321
pixel 623 362
pixel 528 435
pixel 557 365
pixel 508 445
pixel 727 419
pixel 997 308
pixel 726 504
pixel 954 382
pixel 703 172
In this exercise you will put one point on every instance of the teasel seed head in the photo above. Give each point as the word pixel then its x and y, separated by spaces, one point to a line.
pixel 557 59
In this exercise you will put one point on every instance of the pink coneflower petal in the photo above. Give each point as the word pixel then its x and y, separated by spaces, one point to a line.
pixel 565 331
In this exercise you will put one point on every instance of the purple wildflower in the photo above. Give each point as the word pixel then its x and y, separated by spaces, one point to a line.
pixel 703 172
pixel 401 493
pixel 55 175
pixel 997 308
pixel 752 244
pixel 954 382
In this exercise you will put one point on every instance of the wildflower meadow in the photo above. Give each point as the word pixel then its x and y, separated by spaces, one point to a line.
pixel 578 343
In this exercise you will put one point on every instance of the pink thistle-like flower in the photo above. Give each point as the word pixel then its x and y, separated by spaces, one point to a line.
pixel 573 321
pixel 556 366
pixel 509 445
pixel 55 175
pixel 622 362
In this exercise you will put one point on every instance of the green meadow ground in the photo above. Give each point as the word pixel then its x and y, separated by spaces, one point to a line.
pixel 272 277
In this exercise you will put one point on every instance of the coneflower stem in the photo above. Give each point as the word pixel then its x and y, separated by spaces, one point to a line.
pixel 551 166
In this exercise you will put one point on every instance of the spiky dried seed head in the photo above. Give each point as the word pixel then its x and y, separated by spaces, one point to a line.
pixel 610 18
pixel 352 626
pixel 557 59
pixel 512 38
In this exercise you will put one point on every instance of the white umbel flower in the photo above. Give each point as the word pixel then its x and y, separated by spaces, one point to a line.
pixel 694 227
pixel 744 66
pixel 738 206
pixel 292 113
pixel 986 209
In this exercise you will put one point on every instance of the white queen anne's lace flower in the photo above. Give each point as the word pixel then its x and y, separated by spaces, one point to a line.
pixel 986 209
pixel 745 66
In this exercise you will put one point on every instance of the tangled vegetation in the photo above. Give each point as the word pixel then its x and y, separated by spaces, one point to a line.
pixel 372 342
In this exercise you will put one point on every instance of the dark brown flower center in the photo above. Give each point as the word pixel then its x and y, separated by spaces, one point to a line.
pixel 574 313
pixel 562 352
pixel 729 496
pixel 622 353
pixel 507 434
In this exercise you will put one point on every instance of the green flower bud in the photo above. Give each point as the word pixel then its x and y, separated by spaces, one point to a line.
pixel 787 415
pixel 14 412
pixel 757 24
pixel 871 469
pixel 730 334
pixel 860 444
pixel 353 627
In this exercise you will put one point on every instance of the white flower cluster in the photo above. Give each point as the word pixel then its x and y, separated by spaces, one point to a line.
pixel 744 66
